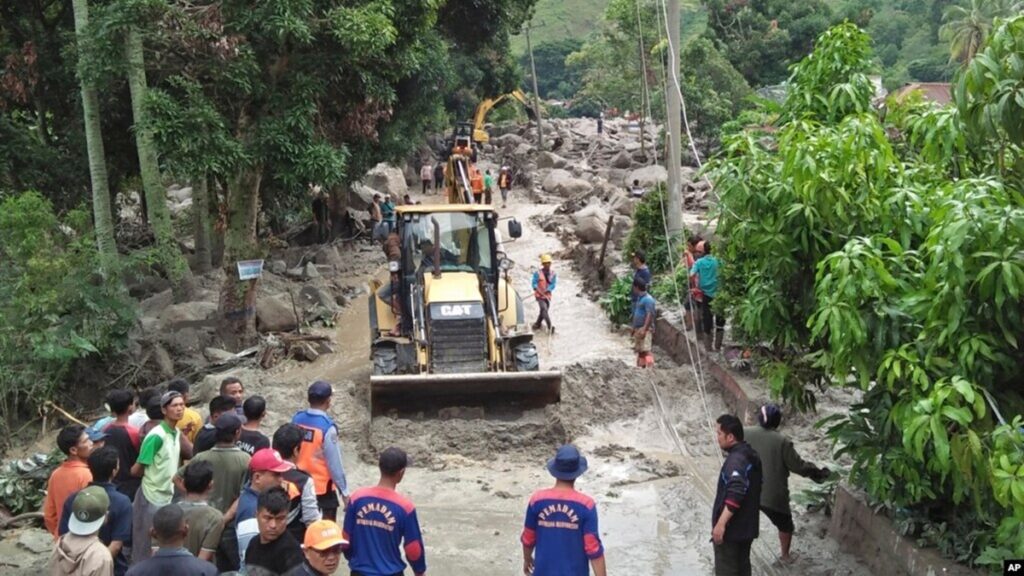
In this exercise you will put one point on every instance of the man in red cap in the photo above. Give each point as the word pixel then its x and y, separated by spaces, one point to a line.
pixel 322 549
pixel 561 523
pixel 265 471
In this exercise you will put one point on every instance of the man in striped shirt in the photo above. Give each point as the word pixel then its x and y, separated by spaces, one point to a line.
pixel 561 535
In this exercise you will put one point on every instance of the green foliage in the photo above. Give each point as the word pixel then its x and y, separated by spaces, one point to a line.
pixel 762 39
pixel 891 257
pixel 55 308
pixel 23 482
pixel 554 79
pixel 618 302
pixel 648 232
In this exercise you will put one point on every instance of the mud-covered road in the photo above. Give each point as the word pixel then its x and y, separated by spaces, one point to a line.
pixel 653 465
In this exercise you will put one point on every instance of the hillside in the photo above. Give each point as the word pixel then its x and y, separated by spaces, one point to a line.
pixel 558 19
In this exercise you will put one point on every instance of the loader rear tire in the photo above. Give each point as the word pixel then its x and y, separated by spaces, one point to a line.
pixel 385 361
pixel 526 357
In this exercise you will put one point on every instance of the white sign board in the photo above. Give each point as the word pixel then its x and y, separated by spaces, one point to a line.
pixel 250 269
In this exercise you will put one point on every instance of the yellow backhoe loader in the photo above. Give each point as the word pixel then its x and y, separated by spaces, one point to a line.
pixel 480 135
pixel 457 334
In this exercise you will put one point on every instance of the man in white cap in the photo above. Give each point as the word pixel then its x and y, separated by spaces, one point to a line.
pixel 561 523
pixel 157 462
pixel 80 552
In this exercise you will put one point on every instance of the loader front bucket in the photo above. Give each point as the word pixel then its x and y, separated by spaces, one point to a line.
pixel 425 392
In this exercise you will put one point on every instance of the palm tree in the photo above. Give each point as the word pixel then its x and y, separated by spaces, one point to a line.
pixel 94 145
pixel 156 201
pixel 967 27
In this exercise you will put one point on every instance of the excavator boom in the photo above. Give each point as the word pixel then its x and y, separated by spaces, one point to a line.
pixel 480 117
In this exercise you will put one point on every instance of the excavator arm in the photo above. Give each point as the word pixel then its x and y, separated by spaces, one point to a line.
pixel 480 135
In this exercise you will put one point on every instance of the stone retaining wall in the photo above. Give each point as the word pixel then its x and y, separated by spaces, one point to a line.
pixel 858 529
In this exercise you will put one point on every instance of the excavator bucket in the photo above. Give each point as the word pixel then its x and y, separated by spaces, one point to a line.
pixel 422 392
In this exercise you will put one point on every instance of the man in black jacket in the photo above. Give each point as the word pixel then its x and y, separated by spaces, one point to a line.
pixel 734 517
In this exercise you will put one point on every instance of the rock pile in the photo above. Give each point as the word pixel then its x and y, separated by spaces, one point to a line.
pixel 589 173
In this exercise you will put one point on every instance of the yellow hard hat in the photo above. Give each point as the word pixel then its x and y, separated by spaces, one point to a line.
pixel 545 259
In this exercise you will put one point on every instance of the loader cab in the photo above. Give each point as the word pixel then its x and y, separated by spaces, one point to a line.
pixel 438 241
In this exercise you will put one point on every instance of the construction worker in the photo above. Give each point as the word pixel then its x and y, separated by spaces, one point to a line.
pixel 778 459
pixel 321 213
pixel 476 183
pixel 320 453
pixel 380 523
pixel 504 184
pixel 561 523
pixel 734 515
pixel 544 281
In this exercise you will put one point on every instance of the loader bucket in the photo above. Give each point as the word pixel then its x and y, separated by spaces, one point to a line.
pixel 424 392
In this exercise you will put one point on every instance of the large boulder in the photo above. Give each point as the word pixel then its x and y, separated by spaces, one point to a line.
pixel 523 150
pixel 563 183
pixel 550 160
pixel 649 176
pixel 507 140
pixel 388 180
pixel 187 313
pixel 275 314
pixel 622 160
pixel 360 196
pixel 622 204
pixel 591 223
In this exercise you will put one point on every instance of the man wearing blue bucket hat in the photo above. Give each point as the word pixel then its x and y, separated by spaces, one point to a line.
pixel 561 523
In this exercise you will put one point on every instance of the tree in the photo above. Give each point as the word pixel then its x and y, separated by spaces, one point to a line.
pixel 159 216
pixel 94 141
pixel 554 78
pixel 967 27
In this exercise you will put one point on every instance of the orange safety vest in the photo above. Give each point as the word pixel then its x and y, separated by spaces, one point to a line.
pixel 476 181
pixel 541 293
pixel 311 451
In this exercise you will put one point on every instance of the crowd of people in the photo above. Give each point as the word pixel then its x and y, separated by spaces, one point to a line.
pixel 218 496
pixel 481 182
pixel 259 506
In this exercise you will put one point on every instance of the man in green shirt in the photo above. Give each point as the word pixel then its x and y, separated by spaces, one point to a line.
pixel 230 469
pixel 488 187
pixel 704 274
pixel 778 459
pixel 205 523
pixel 157 462
pixel 230 463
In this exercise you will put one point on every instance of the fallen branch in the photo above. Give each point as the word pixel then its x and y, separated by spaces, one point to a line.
pixel 7 522
pixel 65 413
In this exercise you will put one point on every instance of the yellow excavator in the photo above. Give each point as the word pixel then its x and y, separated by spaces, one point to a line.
pixel 480 136
pixel 446 325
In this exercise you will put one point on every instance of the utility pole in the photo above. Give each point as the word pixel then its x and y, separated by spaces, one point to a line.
pixel 536 95
pixel 674 204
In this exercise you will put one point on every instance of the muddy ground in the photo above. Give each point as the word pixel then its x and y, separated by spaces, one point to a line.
pixel 653 457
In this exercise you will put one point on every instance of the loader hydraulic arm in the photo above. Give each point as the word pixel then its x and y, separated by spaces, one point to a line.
pixel 480 116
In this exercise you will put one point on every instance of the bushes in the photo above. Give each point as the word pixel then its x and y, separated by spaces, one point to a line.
pixel 895 265
pixel 617 302
pixel 55 307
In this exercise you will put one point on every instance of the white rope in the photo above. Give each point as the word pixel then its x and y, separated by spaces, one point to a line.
pixel 696 364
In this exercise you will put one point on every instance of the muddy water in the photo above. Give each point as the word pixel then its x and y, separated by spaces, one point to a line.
pixel 652 465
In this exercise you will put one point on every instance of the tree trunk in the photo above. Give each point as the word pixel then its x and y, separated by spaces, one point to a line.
pixel 156 202
pixel 338 207
pixel 97 158
pixel 238 297
pixel 201 224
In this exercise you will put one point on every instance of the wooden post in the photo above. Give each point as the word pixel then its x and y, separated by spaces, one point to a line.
pixel 604 247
